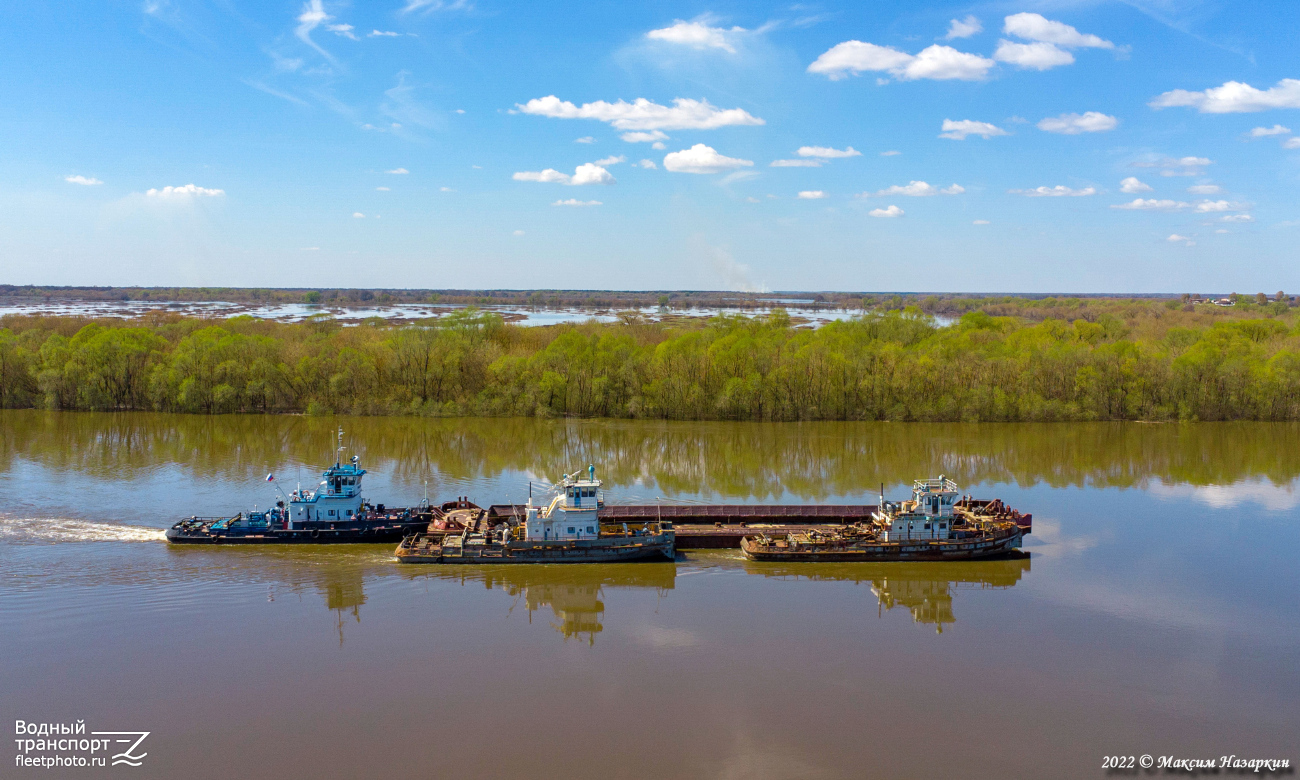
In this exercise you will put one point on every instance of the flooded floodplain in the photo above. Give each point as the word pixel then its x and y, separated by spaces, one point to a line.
pixel 1155 613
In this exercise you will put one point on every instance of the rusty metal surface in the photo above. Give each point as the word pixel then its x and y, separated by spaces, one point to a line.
pixel 793 513
pixel 713 537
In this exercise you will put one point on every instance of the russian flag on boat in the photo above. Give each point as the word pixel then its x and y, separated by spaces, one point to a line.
pixel 270 477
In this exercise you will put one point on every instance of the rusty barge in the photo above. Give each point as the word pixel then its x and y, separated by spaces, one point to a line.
pixel 567 529
pixel 723 526
pixel 472 528
pixel 937 524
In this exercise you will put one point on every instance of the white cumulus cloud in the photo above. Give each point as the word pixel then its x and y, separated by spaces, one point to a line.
pixel 944 63
pixel 933 62
pixel 702 159
pixel 804 163
pixel 698 35
pixel 1261 132
pixel 1213 206
pixel 344 30
pixel 1074 124
pixel 958 130
pixel 1133 185
pixel 887 213
pixel 916 189
pixel 1233 97
pixel 576 202
pixel 1177 239
pixel 1237 218
pixel 1036 27
pixel 82 180
pixel 648 164
pixel 382 34
pixel 964 28
pixel 1291 143
pixel 830 153
pixel 855 57
pixel 586 139
pixel 187 191
pixel 811 195
pixel 587 173
pixel 611 160
pixel 1037 55
pixel 358 215
pixel 1176 166
pixel 1151 204
pixel 639 137
pixel 643 114
pixel 1200 207
pixel 1059 191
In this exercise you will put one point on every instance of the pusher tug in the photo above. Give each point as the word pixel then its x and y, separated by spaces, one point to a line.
pixel 333 513
pixel 566 530
pixel 936 525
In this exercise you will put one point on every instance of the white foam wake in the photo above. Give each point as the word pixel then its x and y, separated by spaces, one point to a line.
pixel 47 530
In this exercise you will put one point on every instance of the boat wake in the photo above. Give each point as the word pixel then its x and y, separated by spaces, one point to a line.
pixel 53 530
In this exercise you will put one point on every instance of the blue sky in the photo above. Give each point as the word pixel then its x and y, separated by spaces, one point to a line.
pixel 1026 146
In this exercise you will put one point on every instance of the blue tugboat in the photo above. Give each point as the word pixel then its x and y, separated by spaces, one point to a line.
pixel 334 512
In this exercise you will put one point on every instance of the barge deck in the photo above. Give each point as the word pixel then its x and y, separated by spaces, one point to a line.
pixel 722 526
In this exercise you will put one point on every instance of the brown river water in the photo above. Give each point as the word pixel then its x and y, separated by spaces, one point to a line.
pixel 1156 613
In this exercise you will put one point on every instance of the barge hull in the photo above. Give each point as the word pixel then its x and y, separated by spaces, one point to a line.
pixel 888 552
pixel 571 556
pixel 340 536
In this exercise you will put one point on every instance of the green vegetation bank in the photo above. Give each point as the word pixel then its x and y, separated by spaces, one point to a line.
pixel 1042 360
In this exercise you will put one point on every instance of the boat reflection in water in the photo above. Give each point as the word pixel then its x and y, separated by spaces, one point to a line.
pixel 573 592
pixel 344 589
pixel 339 575
pixel 924 588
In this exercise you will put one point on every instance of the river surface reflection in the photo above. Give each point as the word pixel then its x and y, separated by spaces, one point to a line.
pixel 1154 610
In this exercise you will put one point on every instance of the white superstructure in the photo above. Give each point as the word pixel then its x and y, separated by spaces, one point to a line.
pixel 927 516
pixel 336 500
pixel 574 512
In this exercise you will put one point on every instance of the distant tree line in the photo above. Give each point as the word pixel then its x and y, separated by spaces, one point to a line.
pixel 1120 361
pixel 1031 306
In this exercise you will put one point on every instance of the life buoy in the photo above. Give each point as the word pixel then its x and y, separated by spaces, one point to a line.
pixel 315 533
